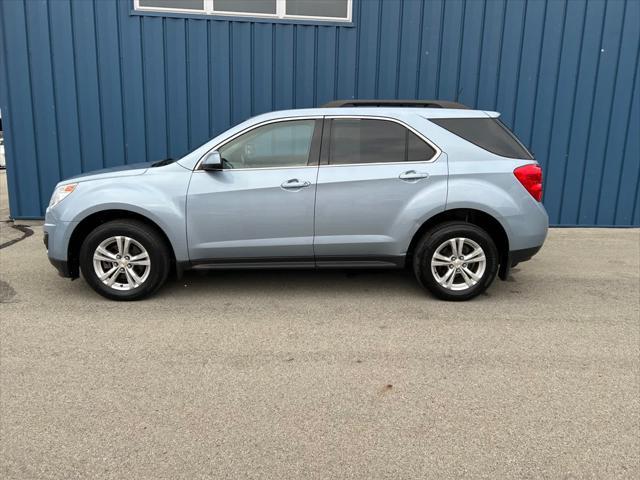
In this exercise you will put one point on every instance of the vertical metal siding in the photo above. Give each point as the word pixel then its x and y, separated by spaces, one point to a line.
pixel 84 84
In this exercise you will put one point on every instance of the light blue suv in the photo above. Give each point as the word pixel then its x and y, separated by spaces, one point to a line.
pixel 433 186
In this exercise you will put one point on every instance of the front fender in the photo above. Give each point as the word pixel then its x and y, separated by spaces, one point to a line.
pixel 159 195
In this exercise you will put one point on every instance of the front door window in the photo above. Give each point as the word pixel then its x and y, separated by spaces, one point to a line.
pixel 281 144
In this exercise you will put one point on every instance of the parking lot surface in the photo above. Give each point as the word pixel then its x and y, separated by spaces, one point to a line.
pixel 297 374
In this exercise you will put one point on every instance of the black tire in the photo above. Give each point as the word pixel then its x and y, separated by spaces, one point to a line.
pixel 430 242
pixel 145 235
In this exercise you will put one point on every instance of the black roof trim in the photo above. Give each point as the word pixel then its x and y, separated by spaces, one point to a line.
pixel 396 103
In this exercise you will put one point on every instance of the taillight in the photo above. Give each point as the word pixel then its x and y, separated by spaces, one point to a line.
pixel 530 176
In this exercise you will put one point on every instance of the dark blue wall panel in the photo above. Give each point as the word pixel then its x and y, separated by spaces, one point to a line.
pixel 18 113
pixel 109 76
pixel 42 95
pixel 87 84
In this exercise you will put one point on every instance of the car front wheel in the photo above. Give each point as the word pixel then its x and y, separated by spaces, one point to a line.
pixel 124 260
pixel 456 261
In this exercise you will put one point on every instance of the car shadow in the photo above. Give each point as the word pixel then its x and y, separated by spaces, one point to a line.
pixel 297 282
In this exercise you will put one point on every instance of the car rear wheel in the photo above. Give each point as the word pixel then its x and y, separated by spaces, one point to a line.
pixel 456 261
pixel 124 260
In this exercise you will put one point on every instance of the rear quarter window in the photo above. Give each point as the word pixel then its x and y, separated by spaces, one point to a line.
pixel 487 133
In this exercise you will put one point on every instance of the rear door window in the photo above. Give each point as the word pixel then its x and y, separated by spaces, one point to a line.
pixel 360 140
pixel 487 133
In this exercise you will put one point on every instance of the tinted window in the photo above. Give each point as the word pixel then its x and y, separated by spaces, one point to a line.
pixel 417 149
pixel 245 6
pixel 335 10
pixel 374 141
pixel 487 133
pixel 185 4
pixel 282 144
pixel 314 8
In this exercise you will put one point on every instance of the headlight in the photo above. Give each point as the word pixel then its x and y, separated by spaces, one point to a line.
pixel 62 192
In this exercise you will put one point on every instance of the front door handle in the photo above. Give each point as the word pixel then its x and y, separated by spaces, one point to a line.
pixel 412 175
pixel 294 184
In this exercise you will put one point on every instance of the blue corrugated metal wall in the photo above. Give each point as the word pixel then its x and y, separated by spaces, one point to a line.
pixel 84 84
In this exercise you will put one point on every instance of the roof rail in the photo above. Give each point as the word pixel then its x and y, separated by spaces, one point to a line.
pixel 395 103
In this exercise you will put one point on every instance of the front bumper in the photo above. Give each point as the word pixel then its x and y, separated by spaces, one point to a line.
pixel 62 266
pixel 56 240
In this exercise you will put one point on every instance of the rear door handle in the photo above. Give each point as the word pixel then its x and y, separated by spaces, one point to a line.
pixel 295 184
pixel 413 175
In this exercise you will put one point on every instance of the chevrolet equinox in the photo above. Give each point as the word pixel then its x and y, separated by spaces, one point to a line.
pixel 434 186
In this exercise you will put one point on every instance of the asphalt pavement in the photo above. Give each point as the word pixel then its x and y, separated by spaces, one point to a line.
pixel 317 375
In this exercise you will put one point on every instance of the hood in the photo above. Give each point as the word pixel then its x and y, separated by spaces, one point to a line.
pixel 120 171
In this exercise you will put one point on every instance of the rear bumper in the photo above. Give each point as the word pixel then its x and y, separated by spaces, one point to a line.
pixel 515 257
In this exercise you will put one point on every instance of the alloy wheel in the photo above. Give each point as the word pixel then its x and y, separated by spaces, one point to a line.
pixel 458 264
pixel 121 263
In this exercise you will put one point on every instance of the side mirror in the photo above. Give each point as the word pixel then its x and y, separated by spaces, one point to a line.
pixel 212 162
